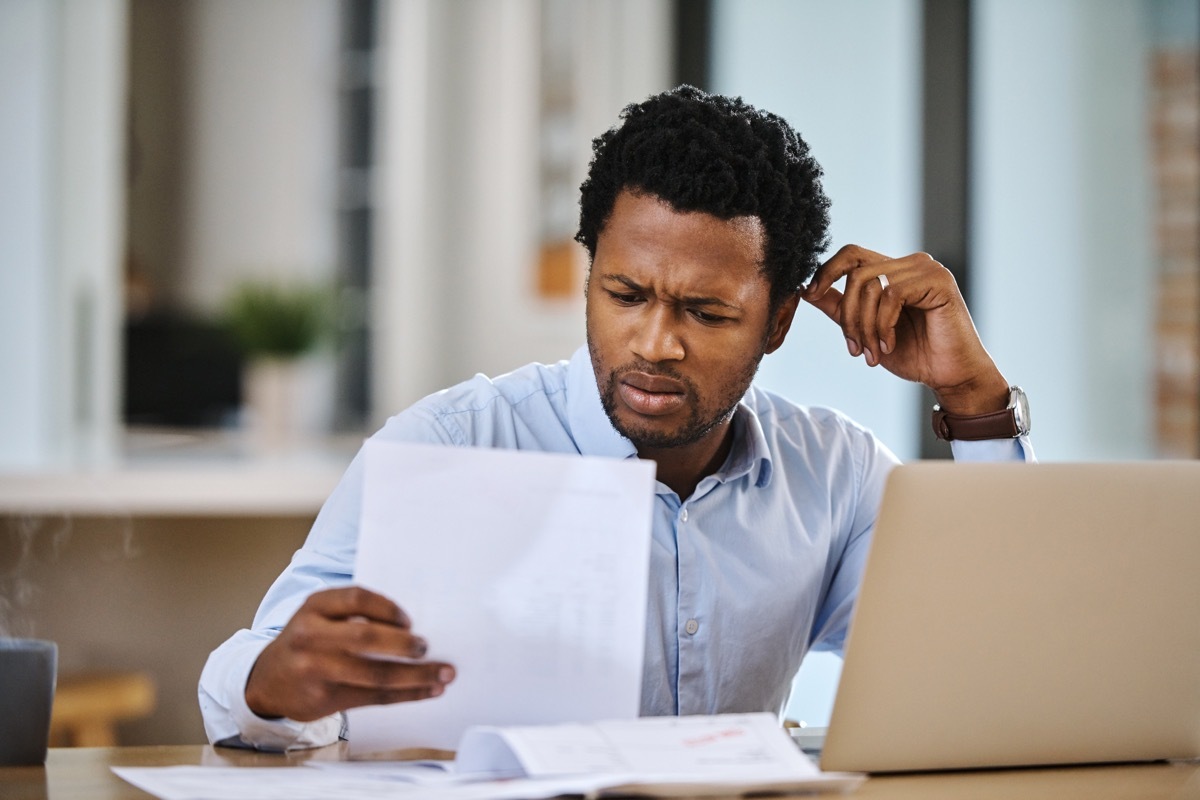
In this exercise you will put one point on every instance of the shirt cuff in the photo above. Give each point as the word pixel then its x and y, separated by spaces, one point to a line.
pixel 1018 449
pixel 238 726
pixel 282 734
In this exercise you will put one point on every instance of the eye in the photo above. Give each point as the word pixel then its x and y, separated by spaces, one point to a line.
pixel 706 317
pixel 624 298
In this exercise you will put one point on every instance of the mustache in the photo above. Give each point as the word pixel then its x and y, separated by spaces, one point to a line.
pixel 646 368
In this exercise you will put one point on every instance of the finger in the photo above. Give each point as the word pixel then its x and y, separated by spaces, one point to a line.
pixel 355 601
pixel 859 306
pixel 843 262
pixel 828 303
pixel 891 304
pixel 872 291
pixel 344 697
pixel 381 674
pixel 850 327
pixel 361 637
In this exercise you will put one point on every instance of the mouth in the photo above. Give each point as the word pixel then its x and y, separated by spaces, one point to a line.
pixel 651 395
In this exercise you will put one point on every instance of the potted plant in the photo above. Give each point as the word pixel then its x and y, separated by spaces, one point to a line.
pixel 278 327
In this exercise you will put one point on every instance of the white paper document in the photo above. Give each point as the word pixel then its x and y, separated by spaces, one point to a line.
pixel 662 756
pixel 303 783
pixel 724 755
pixel 527 571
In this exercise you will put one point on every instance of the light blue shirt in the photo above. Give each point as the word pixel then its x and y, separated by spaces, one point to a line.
pixel 757 567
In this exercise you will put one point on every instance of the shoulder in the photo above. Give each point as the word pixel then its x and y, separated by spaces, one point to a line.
pixel 817 444
pixel 488 411
pixel 528 384
pixel 787 423
pixel 821 454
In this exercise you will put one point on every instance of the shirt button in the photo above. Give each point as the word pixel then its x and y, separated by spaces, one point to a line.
pixel 691 627
pixel 683 515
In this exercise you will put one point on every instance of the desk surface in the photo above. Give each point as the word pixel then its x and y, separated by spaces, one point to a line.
pixel 76 774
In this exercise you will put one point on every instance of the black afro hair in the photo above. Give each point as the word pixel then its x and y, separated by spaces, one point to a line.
pixel 721 156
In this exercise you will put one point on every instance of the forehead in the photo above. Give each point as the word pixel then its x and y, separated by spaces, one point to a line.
pixel 646 238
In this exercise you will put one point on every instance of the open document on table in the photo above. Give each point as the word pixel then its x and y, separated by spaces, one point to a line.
pixel 722 754
pixel 704 756
pixel 527 571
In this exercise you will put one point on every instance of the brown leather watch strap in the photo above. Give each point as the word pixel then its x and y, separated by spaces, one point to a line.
pixel 996 425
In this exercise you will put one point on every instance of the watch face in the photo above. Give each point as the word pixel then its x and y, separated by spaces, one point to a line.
pixel 1020 406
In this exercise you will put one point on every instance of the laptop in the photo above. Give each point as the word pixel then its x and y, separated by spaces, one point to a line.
pixel 1025 614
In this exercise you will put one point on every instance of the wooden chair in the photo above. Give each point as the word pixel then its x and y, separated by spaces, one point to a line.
pixel 88 706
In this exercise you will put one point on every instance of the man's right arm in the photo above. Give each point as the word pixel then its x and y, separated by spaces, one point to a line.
pixel 343 648
pixel 280 684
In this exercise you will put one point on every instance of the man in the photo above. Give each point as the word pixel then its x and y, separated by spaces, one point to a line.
pixel 703 219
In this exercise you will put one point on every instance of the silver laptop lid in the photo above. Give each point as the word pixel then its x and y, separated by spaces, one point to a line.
pixel 1016 614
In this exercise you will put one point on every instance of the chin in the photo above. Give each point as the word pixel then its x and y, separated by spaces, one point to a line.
pixel 662 437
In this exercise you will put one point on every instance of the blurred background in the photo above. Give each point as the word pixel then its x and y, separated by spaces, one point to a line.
pixel 236 235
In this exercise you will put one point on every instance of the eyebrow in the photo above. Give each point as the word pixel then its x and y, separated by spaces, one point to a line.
pixel 689 300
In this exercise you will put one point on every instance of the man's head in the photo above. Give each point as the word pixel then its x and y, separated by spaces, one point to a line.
pixel 702 217
pixel 719 155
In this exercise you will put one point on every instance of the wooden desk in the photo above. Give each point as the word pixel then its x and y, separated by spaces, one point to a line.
pixel 83 774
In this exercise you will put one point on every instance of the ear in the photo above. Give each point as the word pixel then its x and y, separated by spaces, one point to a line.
pixel 781 321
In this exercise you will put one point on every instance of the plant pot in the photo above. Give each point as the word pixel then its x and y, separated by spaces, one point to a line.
pixel 287 403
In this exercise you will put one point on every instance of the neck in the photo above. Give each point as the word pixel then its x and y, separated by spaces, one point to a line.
pixel 682 468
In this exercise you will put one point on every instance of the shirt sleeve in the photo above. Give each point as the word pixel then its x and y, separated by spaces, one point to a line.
pixel 833 621
pixel 229 722
pixel 325 561
pixel 1019 449
pixel 873 463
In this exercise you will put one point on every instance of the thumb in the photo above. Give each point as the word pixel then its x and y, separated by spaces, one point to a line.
pixel 829 303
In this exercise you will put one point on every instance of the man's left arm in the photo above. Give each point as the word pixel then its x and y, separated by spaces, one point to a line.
pixel 908 316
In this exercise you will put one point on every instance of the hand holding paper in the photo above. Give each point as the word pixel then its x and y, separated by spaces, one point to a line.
pixel 344 648
pixel 526 571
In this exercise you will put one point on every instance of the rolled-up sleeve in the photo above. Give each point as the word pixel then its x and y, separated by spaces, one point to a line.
pixel 325 561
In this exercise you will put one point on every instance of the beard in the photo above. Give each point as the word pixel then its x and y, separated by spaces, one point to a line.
pixel 703 415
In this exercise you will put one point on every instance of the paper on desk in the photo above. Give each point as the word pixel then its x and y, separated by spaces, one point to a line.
pixel 303 783
pixel 724 755
pixel 715 746
pixel 743 751
pixel 721 755
pixel 265 783
pixel 527 571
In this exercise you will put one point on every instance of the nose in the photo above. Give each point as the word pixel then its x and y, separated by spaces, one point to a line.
pixel 656 338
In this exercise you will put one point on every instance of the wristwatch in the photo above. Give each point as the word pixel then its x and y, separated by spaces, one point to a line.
pixel 1007 424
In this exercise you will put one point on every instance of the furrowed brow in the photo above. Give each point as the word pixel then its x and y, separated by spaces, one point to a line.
pixel 708 301
pixel 624 280
pixel 689 300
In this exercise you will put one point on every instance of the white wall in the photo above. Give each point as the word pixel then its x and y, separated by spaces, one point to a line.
pixel 27 74
pixel 457 189
pixel 847 77
pixel 1061 218
pixel 62 88
pixel 259 164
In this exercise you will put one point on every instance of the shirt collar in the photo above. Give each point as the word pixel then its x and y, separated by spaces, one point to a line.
pixel 595 435
pixel 750 454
